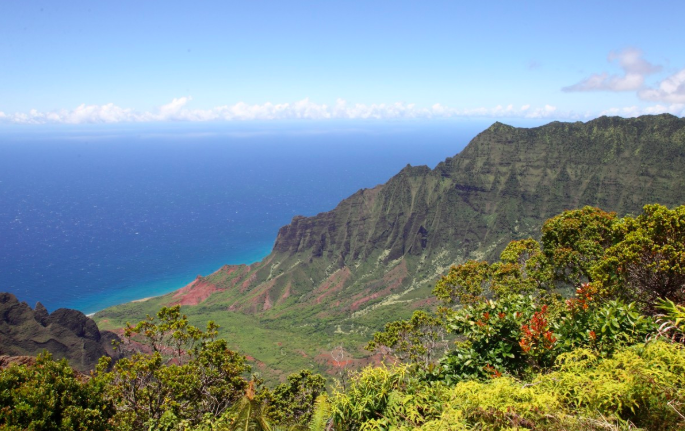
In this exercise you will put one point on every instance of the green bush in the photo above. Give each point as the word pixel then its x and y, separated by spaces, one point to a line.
pixel 292 402
pixel 648 264
pixel 50 395
pixel 492 333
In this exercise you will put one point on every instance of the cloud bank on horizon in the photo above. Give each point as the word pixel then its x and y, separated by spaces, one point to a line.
pixel 668 94
pixel 305 109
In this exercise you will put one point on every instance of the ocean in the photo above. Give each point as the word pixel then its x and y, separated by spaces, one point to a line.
pixel 95 216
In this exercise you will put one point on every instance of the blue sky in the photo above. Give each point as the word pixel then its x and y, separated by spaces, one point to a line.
pixel 157 61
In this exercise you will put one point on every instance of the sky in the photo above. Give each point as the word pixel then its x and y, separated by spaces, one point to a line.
pixel 82 62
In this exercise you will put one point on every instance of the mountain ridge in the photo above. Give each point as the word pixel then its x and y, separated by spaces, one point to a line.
pixel 349 233
pixel 383 247
pixel 65 333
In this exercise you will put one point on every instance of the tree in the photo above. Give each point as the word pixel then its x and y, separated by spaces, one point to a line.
pixel 187 374
pixel 574 241
pixel 293 402
pixel 522 269
pixel 465 284
pixel 648 263
pixel 418 340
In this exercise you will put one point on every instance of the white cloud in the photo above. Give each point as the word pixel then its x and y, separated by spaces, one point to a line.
pixel 177 110
pixel 108 113
pixel 670 90
pixel 635 69
pixel 171 110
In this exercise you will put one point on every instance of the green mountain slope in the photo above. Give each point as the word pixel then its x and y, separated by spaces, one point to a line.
pixel 338 276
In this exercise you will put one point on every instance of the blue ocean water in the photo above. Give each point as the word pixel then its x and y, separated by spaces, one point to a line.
pixel 92 217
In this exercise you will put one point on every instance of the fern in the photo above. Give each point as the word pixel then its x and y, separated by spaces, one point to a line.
pixel 322 414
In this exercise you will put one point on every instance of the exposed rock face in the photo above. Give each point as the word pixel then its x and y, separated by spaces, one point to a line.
pixel 503 185
pixel 65 333
pixel 7 361
pixel 40 313
pixel 76 322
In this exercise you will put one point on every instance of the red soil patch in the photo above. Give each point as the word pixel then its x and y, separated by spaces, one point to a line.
pixel 392 280
pixel 194 293
pixel 334 366
pixel 427 302
pixel 248 282
pixel 239 270
pixel 229 269
pixel 261 300
pixel 267 301
pixel 334 283
pixel 285 295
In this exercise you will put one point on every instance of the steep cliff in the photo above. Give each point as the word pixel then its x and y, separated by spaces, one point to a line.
pixel 382 248
pixel 394 237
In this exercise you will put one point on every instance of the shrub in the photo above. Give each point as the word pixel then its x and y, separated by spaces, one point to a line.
pixel 50 395
pixel 643 384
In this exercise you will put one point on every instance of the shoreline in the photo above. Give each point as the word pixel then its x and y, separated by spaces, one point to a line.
pixel 155 289
pixel 144 299
pixel 147 298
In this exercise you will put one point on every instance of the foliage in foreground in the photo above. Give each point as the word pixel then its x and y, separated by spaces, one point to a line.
pixel 525 357
pixel 50 395
pixel 637 386
pixel 178 378
pixel 610 356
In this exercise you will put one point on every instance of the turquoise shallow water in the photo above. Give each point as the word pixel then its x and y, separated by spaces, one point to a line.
pixel 94 217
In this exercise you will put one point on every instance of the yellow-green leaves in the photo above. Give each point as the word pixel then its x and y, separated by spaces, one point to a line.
pixel 465 283
pixel 648 264
pixel 575 240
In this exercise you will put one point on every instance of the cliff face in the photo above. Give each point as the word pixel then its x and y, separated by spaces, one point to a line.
pixel 400 235
pixel 506 181
pixel 64 333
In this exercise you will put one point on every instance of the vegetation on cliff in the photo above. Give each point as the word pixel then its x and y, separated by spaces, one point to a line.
pixel 334 279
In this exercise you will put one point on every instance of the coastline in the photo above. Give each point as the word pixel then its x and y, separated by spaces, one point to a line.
pixel 147 290
pixel 135 300
pixel 234 219
pixel 143 299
